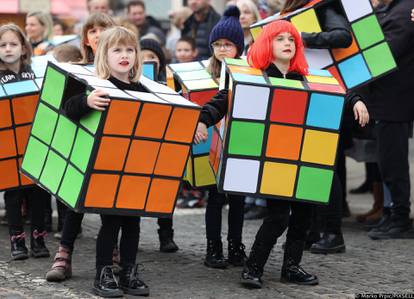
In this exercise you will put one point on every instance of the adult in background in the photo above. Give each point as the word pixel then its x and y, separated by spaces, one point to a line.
pixel 199 25
pixel 39 29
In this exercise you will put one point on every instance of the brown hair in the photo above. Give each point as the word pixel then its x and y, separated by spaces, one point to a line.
pixel 135 3
pixel 96 19
pixel 67 53
pixel 112 37
pixel 291 5
pixel 189 40
pixel 214 67
pixel 26 58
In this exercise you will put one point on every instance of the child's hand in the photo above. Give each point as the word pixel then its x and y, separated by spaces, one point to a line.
pixel 361 113
pixel 412 15
pixel 201 133
pixel 96 100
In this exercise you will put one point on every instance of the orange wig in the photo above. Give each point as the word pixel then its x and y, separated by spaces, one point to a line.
pixel 261 52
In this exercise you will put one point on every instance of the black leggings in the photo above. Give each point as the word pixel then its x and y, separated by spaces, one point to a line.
pixel 213 215
pixel 36 199
pixel 71 228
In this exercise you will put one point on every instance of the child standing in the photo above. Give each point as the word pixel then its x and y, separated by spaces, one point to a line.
pixel 15 56
pixel 118 60
pixel 226 41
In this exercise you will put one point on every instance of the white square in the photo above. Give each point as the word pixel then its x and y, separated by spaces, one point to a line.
pixel 318 58
pixel 250 102
pixel 241 175
pixel 356 9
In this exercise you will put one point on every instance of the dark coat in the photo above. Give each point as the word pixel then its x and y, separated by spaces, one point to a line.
pixel 7 76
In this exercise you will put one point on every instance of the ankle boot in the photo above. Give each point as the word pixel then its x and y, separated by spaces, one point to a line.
pixel 291 270
pixel 167 243
pixel 62 266
pixel 130 283
pixel 329 243
pixel 253 269
pixel 237 256
pixel 376 210
pixel 37 244
pixel 116 268
pixel 105 284
pixel 214 257
pixel 18 246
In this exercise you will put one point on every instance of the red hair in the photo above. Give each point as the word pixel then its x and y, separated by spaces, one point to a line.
pixel 261 52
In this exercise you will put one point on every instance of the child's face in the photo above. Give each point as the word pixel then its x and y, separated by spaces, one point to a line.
pixel 247 17
pixel 92 37
pixel 11 48
pixel 34 29
pixel 149 56
pixel 223 48
pixel 121 59
pixel 284 47
pixel 184 52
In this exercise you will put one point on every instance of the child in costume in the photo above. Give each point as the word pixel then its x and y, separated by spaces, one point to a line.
pixel 15 56
pixel 226 41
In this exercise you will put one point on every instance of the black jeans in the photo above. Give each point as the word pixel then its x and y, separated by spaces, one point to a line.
pixel 36 199
pixel 108 237
pixel 214 208
pixel 71 228
pixel 392 150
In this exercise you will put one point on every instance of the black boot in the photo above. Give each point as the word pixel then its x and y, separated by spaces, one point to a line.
pixel 130 283
pixel 329 243
pixel 214 257
pixel 291 270
pixel 18 246
pixel 37 245
pixel 253 269
pixel 105 284
pixel 237 257
pixel 167 243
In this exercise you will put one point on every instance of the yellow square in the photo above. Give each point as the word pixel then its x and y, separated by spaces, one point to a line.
pixel 278 179
pixel 255 32
pixel 189 176
pixel 319 147
pixel 200 84
pixel 306 21
pixel 203 172
pixel 323 80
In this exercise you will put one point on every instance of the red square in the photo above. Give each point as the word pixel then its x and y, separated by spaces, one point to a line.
pixel 289 106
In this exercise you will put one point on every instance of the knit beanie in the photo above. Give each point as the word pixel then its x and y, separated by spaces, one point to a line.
pixel 229 28
pixel 154 46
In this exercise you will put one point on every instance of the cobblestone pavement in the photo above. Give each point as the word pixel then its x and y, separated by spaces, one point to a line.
pixel 366 267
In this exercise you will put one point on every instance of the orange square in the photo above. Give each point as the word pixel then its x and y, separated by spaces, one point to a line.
pixel 8 174
pixel 284 142
pixel 133 192
pixel 213 147
pixel 218 156
pixel 142 156
pixel 153 120
pixel 24 108
pixel 182 125
pixel 24 180
pixel 5 115
pixel 342 53
pixel 121 117
pixel 22 136
pixel 172 159
pixel 111 154
pixel 162 195
pixel 7 144
pixel 101 190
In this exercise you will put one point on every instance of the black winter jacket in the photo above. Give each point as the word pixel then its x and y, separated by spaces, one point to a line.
pixel 7 76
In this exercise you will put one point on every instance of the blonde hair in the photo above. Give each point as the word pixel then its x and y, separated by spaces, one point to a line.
pixel 45 20
pixel 25 58
pixel 113 37
pixel 251 6
pixel 95 19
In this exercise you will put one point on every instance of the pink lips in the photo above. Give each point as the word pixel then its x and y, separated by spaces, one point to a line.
pixel 124 63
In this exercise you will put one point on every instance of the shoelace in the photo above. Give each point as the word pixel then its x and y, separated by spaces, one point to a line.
pixel 18 237
pixel 107 276
pixel 36 234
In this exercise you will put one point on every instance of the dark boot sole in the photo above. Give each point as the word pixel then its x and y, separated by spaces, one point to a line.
pixel 135 292
pixel 383 236
pixel 338 249
pixel 20 257
pixel 114 294
pixel 251 284
pixel 169 250
pixel 306 283
pixel 39 254
pixel 215 266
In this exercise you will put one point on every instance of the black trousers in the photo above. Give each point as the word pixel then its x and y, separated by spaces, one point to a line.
pixel 213 216
pixel 71 228
pixel 108 237
pixel 36 199
pixel 392 150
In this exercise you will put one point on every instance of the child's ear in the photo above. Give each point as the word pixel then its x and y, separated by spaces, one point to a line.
pixel 195 52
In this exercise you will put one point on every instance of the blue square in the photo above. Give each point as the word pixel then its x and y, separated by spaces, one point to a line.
pixel 20 87
pixel 249 78
pixel 204 147
pixel 148 70
pixel 322 73
pixel 354 71
pixel 325 111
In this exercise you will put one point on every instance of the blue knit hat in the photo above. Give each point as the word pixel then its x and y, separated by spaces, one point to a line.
pixel 229 28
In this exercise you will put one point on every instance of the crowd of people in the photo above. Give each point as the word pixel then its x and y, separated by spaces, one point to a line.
pixel 381 111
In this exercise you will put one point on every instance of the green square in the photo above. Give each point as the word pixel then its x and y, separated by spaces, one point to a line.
pixel 71 186
pixel 286 83
pixel 44 123
pixel 82 149
pixel 64 136
pixel 379 59
pixel 314 184
pixel 246 138
pixel 367 31
pixel 53 86
pixel 91 121
pixel 53 172
pixel 239 62
pixel 34 157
